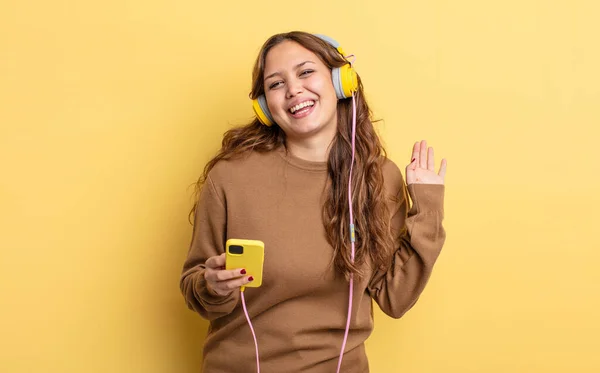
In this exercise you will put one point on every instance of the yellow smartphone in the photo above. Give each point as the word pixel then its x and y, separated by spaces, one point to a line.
pixel 247 254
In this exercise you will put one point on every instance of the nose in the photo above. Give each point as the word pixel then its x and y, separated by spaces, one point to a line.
pixel 294 87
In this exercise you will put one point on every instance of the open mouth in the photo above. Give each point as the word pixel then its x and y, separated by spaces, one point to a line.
pixel 302 109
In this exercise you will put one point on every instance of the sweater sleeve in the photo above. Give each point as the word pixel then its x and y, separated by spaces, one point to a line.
pixel 419 237
pixel 208 240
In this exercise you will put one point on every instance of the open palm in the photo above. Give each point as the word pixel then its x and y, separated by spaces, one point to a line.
pixel 421 169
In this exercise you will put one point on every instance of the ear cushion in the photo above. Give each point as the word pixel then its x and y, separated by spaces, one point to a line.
pixel 262 111
pixel 337 82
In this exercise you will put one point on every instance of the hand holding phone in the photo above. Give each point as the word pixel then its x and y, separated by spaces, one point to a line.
pixel 221 281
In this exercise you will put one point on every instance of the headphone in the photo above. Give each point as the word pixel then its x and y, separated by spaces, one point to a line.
pixel 345 82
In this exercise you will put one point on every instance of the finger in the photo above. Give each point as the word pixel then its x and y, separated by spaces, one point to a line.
pixel 210 275
pixel 226 275
pixel 412 164
pixel 223 275
pixel 442 172
pixel 430 160
pixel 215 262
pixel 222 293
pixel 423 154
pixel 234 284
pixel 415 153
pixel 225 287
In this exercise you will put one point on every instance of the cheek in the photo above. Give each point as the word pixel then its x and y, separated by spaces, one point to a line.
pixel 325 87
pixel 273 101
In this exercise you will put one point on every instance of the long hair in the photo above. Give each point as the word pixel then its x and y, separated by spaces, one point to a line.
pixel 372 220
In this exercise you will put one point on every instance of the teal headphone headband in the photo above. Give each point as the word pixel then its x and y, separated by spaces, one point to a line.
pixel 345 83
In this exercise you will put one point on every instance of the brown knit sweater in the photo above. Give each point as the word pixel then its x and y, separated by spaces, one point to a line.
pixel 299 313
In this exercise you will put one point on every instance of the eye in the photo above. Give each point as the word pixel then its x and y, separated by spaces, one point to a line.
pixel 306 72
pixel 275 84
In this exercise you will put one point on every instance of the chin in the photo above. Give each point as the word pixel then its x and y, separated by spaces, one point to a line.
pixel 306 128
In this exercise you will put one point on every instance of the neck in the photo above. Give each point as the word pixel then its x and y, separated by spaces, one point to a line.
pixel 313 150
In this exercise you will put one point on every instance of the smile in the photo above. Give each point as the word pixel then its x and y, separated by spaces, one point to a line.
pixel 302 105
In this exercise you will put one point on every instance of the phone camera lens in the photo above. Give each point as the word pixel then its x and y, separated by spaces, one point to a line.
pixel 236 249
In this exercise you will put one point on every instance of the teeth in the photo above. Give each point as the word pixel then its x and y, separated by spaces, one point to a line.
pixel 301 105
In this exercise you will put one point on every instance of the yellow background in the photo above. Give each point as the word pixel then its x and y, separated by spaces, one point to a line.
pixel 109 111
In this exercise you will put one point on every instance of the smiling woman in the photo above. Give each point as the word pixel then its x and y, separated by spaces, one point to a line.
pixel 301 98
pixel 310 179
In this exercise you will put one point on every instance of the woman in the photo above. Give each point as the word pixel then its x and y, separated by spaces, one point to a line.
pixel 286 183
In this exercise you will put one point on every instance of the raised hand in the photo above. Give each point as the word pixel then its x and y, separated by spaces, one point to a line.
pixel 421 169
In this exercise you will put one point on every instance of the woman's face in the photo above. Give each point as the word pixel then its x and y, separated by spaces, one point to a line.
pixel 300 93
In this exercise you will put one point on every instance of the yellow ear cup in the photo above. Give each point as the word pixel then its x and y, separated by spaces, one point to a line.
pixel 345 81
pixel 348 79
pixel 262 111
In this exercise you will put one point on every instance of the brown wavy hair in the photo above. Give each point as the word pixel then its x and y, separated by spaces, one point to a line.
pixel 372 218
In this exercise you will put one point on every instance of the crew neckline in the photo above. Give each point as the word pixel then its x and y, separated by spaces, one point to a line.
pixel 299 162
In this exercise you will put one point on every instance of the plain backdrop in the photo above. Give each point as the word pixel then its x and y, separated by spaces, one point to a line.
pixel 110 109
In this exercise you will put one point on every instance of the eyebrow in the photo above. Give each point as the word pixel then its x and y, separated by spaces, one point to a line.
pixel 297 67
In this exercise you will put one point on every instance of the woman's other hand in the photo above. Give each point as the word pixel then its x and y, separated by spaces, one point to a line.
pixel 421 169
